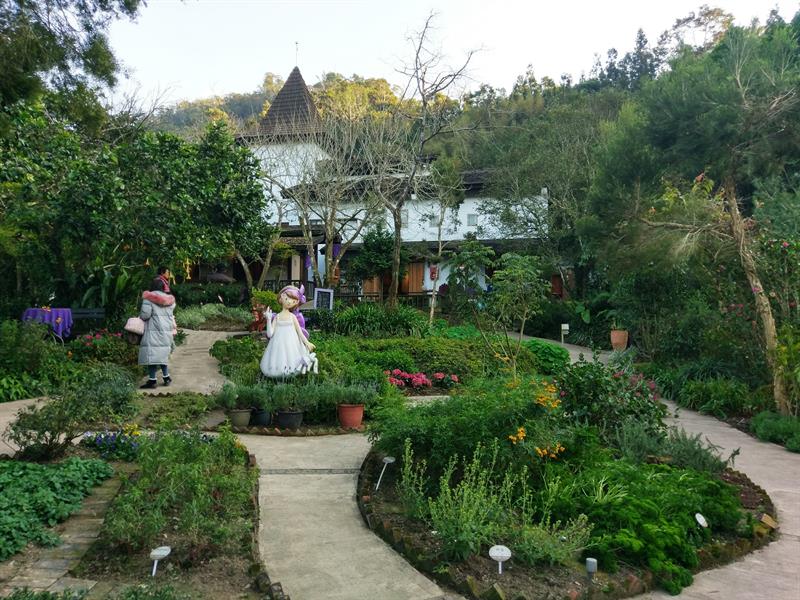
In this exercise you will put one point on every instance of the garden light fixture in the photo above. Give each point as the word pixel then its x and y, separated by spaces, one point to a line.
pixel 387 460
pixel 701 520
pixel 500 554
pixel 158 554
pixel 591 567
pixel 564 331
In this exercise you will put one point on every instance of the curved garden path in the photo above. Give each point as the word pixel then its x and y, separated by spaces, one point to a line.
pixel 191 367
pixel 771 573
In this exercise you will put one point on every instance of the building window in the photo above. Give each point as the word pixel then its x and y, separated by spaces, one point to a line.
pixel 434 221
pixel 404 218
pixel 472 220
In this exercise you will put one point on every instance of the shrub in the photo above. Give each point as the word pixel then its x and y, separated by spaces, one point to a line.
pixel 780 429
pixel 265 298
pixel 46 429
pixel 594 394
pixel 35 497
pixel 193 492
pixel 638 444
pixel 217 317
pixel 644 515
pixel 23 347
pixel 551 543
pixel 151 592
pixel 719 397
pixel 103 347
pixel 472 512
pixel 369 319
pixel 549 358
pixel 188 294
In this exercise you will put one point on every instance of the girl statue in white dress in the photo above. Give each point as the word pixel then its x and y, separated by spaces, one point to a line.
pixel 288 352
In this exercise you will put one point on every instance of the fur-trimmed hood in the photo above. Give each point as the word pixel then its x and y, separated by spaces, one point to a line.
pixel 159 298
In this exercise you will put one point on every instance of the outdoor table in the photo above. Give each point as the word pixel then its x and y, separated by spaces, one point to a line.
pixel 59 319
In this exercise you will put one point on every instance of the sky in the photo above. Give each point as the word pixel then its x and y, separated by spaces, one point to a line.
pixel 201 48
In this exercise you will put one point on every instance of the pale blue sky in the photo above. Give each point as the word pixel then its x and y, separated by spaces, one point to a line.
pixel 199 48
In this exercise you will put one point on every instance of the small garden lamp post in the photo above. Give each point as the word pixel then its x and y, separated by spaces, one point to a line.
pixel 564 331
pixel 158 554
pixel 387 460
pixel 501 554
pixel 591 567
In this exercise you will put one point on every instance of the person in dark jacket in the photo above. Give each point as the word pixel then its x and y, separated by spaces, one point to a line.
pixel 158 339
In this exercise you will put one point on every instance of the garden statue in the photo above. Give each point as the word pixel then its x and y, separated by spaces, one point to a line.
pixel 288 352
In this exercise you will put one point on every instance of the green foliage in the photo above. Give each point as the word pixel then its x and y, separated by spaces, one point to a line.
pixel 44 430
pixel 26 594
pixel 34 497
pixel 719 397
pixel 23 347
pixel 103 347
pixel 649 520
pixel 150 592
pixel 193 492
pixel 177 410
pixel 375 255
pixel 370 319
pixel 551 543
pixel 780 429
pixel 265 298
pixel 412 484
pixel 550 359
pixel 191 294
pixel 639 444
pixel 217 317
pixel 597 395
pixel 471 513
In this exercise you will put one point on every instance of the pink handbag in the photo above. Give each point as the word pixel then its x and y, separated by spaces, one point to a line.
pixel 134 325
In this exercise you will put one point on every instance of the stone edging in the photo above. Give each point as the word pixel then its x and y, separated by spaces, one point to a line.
pixel 709 556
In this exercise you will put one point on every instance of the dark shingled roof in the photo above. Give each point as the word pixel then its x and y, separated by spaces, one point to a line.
pixel 293 110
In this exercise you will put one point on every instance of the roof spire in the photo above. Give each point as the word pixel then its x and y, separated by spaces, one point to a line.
pixel 296 50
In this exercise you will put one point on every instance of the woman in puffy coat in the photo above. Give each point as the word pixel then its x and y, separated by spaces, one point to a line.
pixel 157 342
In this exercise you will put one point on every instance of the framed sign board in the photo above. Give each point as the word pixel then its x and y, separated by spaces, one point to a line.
pixel 323 298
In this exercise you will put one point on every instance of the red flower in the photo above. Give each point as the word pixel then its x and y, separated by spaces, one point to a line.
pixel 438 375
pixel 454 378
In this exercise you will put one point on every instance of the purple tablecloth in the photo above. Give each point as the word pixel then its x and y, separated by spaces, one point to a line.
pixel 59 319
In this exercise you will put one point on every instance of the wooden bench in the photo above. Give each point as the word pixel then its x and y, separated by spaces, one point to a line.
pixel 96 314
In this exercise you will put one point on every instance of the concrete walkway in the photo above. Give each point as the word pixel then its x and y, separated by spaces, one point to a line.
pixel 8 413
pixel 772 573
pixel 191 367
pixel 312 538
pixel 575 352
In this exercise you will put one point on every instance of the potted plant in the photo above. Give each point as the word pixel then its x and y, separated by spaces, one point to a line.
pixel 290 402
pixel 619 336
pixel 228 398
pixel 351 410
pixel 259 399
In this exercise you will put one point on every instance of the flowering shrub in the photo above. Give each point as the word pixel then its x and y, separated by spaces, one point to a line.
pixel 594 394
pixel 103 346
pixel 420 381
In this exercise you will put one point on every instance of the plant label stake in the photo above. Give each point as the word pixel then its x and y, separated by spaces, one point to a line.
pixel 387 460
pixel 500 554
pixel 701 520
pixel 158 554
pixel 591 567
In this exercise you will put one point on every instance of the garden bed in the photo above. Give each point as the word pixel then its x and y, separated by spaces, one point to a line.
pixel 214 549
pixel 476 576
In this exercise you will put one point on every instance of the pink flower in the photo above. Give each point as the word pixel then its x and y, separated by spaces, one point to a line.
pixel 785 244
pixel 438 375
pixel 756 289
pixel 454 378
pixel 562 393
pixel 651 384
pixel 98 336
pixel 397 372
pixel 387 372
pixel 88 336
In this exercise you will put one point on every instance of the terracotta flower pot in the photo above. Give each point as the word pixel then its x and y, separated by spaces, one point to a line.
pixel 619 339
pixel 240 417
pixel 350 415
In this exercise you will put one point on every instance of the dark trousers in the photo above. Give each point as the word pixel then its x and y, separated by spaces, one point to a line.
pixel 151 369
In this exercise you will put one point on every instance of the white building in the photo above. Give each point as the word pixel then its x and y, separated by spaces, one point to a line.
pixel 283 147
